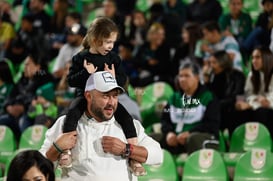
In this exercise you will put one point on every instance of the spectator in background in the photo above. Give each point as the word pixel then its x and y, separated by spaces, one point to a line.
pixel 138 29
pixel 171 21
pixel 30 165
pixel 110 10
pixel 58 39
pixel 257 103
pixel 191 34
pixel 236 23
pixel 215 41
pixel 16 105
pixel 7 12
pixel 260 35
pixel 153 57
pixel 201 11
pixel 57 25
pixel 41 18
pixel 73 18
pixel 192 115
pixel 7 34
pixel 33 38
pixel 125 7
pixel 128 61
pixel 226 83
pixel 175 18
pixel 43 109
pixel 73 45
pixel 6 83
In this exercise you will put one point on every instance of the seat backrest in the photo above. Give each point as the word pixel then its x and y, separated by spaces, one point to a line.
pixel 205 164
pixel 153 100
pixel 250 135
pixel 33 137
pixel 7 143
pixel 256 164
pixel 164 172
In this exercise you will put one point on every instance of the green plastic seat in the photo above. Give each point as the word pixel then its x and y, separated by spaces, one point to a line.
pixel 7 143
pixel 10 158
pixel 33 137
pixel 153 100
pixel 250 135
pixel 254 165
pixel 246 137
pixel 164 172
pixel 205 164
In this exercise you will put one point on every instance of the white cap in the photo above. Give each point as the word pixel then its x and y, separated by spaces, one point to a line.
pixel 102 81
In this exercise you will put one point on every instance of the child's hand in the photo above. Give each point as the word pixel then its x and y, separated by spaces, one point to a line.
pixel 112 70
pixel 89 67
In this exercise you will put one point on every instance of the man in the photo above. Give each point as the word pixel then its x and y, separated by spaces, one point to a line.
pixel 192 117
pixel 75 35
pixel 215 41
pixel 98 146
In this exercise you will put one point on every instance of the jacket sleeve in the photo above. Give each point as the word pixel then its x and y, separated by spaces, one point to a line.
pixel 211 120
pixel 166 123
pixel 77 75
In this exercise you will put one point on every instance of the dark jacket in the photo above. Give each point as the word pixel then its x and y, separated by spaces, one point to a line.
pixel 210 120
pixel 25 90
pixel 78 75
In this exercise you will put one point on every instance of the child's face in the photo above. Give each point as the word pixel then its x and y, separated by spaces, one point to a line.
pixel 107 44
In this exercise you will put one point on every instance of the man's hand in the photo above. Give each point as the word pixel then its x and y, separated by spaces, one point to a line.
pixel 112 145
pixel 67 141
pixel 171 139
pixel 182 137
pixel 241 105
pixel 15 110
pixel 89 67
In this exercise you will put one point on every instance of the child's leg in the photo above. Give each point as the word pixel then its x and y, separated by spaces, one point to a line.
pixel 73 115
pixel 126 122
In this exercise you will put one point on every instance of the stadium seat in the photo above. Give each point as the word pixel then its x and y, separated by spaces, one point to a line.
pixel 164 172
pixel 10 158
pixel 250 135
pixel 205 164
pixel 256 164
pixel 7 143
pixel 246 137
pixel 153 100
pixel 33 137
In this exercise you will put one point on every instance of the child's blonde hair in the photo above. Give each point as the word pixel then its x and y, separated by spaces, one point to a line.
pixel 99 29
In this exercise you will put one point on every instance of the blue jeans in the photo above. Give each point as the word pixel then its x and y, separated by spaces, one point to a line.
pixel 17 125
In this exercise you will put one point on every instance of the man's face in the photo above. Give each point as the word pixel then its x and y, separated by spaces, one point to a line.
pixel 187 80
pixel 209 36
pixel 102 105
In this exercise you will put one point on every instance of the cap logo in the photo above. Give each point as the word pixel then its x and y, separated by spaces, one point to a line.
pixel 108 77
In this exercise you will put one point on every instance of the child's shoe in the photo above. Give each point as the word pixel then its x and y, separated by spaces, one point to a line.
pixel 136 168
pixel 65 160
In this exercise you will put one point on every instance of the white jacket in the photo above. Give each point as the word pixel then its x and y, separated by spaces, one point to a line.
pixel 89 160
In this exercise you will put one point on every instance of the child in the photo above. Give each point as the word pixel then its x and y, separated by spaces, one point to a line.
pixel 97 55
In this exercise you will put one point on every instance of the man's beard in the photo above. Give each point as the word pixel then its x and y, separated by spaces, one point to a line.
pixel 98 112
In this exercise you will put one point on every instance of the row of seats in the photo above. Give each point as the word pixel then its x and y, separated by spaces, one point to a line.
pixel 32 138
pixel 250 149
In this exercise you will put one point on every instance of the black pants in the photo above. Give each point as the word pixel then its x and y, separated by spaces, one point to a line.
pixel 77 107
